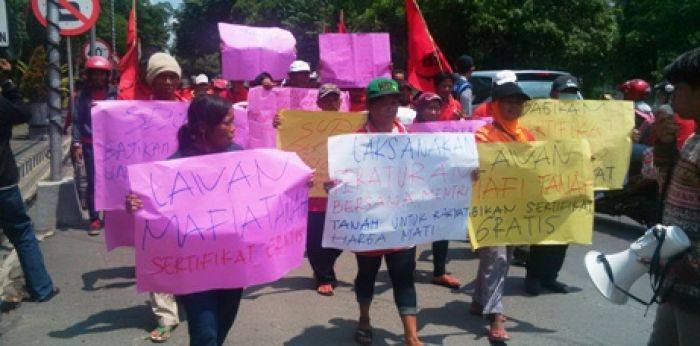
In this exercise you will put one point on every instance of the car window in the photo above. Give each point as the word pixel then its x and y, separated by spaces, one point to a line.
pixel 481 89
pixel 536 89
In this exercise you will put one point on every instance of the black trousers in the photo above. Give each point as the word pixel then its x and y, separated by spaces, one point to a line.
pixel 545 261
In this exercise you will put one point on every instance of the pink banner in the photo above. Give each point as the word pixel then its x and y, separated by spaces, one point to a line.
pixel 128 132
pixel 219 221
pixel 264 104
pixel 448 126
pixel 240 120
pixel 353 60
pixel 248 51
pixel 119 229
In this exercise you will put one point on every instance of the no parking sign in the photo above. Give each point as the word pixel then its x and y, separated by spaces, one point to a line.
pixel 74 16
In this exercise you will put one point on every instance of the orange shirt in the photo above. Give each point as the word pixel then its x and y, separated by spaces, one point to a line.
pixel 450 109
pixel 485 110
pixel 496 133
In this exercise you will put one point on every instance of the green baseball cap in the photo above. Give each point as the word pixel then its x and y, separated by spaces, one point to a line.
pixel 381 87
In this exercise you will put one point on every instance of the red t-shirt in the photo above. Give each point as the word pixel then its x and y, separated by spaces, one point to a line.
pixel 450 110
pixel 485 110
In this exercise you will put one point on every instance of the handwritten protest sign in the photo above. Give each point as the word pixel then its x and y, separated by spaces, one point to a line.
pixel 128 132
pixel 398 190
pixel 119 229
pixel 248 51
pixel 353 60
pixel 448 126
pixel 306 133
pixel 219 221
pixel 240 120
pixel 264 104
pixel 607 125
pixel 532 193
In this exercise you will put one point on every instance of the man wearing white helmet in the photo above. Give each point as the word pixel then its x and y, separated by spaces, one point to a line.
pixel 201 84
pixel 299 75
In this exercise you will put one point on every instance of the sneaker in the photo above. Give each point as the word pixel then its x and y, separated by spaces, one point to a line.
pixel 556 287
pixel 95 227
pixel 532 287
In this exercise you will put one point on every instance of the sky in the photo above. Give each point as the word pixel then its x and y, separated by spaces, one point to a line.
pixel 175 3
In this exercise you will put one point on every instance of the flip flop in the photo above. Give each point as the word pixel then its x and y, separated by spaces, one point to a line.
pixel 363 336
pixel 161 334
pixel 446 281
pixel 325 289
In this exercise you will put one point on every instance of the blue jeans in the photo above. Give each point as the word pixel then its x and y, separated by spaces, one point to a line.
pixel 210 315
pixel 18 228
pixel 89 159
pixel 401 266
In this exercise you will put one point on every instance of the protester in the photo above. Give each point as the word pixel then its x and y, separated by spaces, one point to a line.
pixel 237 92
pixel 358 99
pixel 322 260
pixel 97 88
pixel 565 87
pixel 163 75
pixel 201 85
pixel 463 89
pixel 451 109
pixel 545 261
pixel 299 75
pixel 186 89
pixel 383 103
pixel 209 130
pixel 678 318
pixel 485 110
pixel 406 114
pixel 428 106
pixel 265 80
pixel 494 261
pixel 14 221
pixel 399 76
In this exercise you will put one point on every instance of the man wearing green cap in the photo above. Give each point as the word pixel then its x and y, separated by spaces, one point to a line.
pixel 383 104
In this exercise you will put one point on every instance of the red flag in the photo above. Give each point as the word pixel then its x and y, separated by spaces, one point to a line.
pixel 341 23
pixel 129 64
pixel 425 60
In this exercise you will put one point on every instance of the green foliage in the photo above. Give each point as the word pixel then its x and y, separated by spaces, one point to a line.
pixel 33 85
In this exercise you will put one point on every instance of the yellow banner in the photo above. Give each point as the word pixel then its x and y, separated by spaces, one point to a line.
pixel 532 193
pixel 307 132
pixel 607 125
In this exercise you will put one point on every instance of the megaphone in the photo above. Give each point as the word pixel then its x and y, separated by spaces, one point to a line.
pixel 624 268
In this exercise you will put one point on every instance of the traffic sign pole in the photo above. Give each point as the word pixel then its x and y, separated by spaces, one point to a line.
pixel 71 83
pixel 53 82
pixel 93 39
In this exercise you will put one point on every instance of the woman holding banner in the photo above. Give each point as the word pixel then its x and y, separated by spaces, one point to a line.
pixel 383 103
pixel 494 261
pixel 209 130
pixel 427 107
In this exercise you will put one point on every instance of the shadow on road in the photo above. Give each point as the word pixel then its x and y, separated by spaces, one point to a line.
pixel 92 278
pixel 135 317
pixel 455 314
pixel 341 333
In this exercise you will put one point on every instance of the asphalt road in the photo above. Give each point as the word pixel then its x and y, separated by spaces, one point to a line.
pixel 99 305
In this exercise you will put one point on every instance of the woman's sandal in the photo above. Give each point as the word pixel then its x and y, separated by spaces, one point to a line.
pixel 447 281
pixel 161 334
pixel 325 289
pixel 363 336
pixel 499 334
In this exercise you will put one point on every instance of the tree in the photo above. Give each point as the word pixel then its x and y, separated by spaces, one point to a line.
pixel 652 34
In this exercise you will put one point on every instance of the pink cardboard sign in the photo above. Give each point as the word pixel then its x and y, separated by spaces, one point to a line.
pixel 264 104
pixel 353 60
pixel 128 132
pixel 240 120
pixel 119 229
pixel 219 221
pixel 248 51
pixel 448 126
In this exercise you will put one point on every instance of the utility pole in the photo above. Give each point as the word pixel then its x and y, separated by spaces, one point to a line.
pixel 53 83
